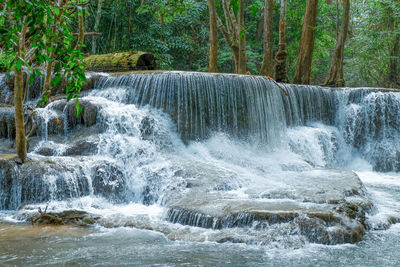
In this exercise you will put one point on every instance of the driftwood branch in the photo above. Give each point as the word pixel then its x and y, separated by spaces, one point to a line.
pixel 277 84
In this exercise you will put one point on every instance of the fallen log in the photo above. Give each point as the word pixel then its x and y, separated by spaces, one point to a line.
pixel 119 62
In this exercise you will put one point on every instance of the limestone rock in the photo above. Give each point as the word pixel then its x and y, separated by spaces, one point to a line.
pixel 325 206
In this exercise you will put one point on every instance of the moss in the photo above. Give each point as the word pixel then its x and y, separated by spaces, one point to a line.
pixel 69 217
pixel 87 221
pixel 326 217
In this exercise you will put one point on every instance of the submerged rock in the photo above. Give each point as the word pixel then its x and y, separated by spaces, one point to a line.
pixel 67 217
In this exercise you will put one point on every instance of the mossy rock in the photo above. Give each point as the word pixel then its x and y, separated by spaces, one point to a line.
pixel 124 61
pixel 68 217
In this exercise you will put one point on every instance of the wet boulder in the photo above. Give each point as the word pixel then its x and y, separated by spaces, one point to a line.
pixel 7 122
pixel 61 114
pixel 86 118
pixel 147 128
pixel 40 181
pixel 83 147
pixel 8 175
pixel 109 181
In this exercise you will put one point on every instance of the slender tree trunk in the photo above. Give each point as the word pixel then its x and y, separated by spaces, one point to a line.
pixel 281 56
pixel 304 59
pixel 81 35
pixel 213 52
pixel 335 75
pixel 50 64
pixel 394 47
pixel 242 66
pixel 97 23
pixel 268 57
pixel 20 138
pixel 394 63
pixel 230 32
pixel 130 20
pixel 260 29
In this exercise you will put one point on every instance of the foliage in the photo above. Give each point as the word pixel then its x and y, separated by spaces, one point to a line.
pixel 176 31
pixel 5 61
pixel 375 27
pixel 49 40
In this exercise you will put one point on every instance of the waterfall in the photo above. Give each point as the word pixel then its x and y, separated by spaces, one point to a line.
pixel 129 115
pixel 236 141
pixel 5 93
pixel 243 106
pixel 369 120
pixel 254 109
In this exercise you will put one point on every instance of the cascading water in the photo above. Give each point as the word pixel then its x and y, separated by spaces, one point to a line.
pixel 220 158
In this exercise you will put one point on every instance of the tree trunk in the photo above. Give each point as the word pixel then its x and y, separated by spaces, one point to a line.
pixel 281 55
pixel 235 51
pixel 394 64
pixel 81 35
pixel 20 138
pixel 242 66
pixel 304 59
pixel 230 32
pixel 394 52
pixel 96 25
pixel 268 60
pixel 335 76
pixel 213 53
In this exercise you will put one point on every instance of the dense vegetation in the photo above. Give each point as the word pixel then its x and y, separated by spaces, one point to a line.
pixel 178 33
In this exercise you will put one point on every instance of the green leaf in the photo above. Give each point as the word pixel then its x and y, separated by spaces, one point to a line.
pixel 56 80
pixel 235 6
pixel 242 34
pixel 18 64
pixel 57 67
pixel 56 11
pixel 31 79
pixel 78 108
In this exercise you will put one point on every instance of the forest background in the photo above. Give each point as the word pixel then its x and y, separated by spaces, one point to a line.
pixel 177 32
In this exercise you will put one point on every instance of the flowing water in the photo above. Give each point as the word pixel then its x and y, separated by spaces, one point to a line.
pixel 152 136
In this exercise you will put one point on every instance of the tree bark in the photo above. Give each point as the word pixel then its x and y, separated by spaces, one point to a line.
pixel 304 59
pixel 20 138
pixel 268 60
pixel 394 47
pixel 394 63
pixel 242 67
pixel 335 75
pixel 96 25
pixel 81 36
pixel 230 32
pixel 281 56
pixel 213 52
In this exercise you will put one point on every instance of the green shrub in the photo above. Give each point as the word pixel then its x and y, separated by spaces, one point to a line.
pixel 4 62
